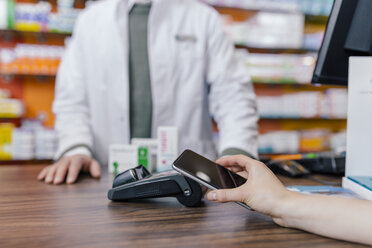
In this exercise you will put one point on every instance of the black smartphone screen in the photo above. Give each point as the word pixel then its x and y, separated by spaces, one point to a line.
pixel 208 171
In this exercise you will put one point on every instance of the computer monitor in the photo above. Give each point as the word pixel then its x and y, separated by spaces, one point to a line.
pixel 348 33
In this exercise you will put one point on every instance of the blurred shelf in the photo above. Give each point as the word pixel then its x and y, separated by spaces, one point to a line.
pixel 281 83
pixel 37 33
pixel 25 162
pixel 10 77
pixel 293 156
pixel 301 118
pixel 275 50
pixel 298 86
pixel 273 125
pixel 16 121
pixel 316 19
pixel 309 17
pixel 254 8
pixel 2 118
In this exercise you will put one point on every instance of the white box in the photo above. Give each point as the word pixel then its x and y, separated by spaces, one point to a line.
pixel 167 147
pixel 152 145
pixel 3 14
pixel 126 156
pixel 359 123
pixel 357 188
pixel 359 119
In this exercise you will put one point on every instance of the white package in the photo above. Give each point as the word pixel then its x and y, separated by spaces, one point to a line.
pixel 167 147
pixel 3 14
pixel 359 119
pixel 123 156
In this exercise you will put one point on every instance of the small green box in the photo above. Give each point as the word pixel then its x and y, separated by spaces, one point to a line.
pixel 143 156
pixel 11 13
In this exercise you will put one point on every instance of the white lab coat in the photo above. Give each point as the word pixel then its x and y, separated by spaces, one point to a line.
pixel 192 69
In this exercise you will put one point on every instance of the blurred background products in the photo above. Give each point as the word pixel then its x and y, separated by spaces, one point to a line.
pixel 268 29
pixel 279 68
pixel 38 16
pixel 277 40
pixel 9 107
pixel 30 141
pixel 309 7
pixel 3 14
pixel 303 141
pixel 310 104
pixel 31 59
pixel 6 141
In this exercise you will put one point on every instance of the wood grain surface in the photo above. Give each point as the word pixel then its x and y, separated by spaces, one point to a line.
pixel 33 214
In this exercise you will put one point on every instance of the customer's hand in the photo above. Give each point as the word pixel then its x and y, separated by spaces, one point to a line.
pixel 70 166
pixel 320 214
pixel 262 192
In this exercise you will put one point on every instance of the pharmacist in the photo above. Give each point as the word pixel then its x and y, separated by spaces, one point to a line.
pixel 132 66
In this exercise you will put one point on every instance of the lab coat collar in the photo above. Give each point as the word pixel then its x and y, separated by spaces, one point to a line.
pixel 133 2
pixel 124 6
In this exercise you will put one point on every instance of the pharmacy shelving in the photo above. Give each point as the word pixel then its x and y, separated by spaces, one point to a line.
pixel 274 126
pixel 258 84
pixel 59 35
pixel 246 26
pixel 38 89
pixel 27 73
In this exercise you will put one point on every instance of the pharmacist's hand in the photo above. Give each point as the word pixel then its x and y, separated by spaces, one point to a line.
pixel 70 166
pixel 263 191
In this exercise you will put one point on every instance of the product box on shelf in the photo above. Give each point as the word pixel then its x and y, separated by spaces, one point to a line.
pixel 3 14
pixel 33 141
pixel 6 141
pixel 31 59
pixel 268 30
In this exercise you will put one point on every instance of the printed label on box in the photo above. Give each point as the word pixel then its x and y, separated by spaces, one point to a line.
pixel 167 148
pixel 152 145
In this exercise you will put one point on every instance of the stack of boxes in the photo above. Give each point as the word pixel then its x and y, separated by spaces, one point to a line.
pixel 312 140
pixel 30 141
pixel 155 154
pixel 307 104
pixel 37 17
pixel 31 59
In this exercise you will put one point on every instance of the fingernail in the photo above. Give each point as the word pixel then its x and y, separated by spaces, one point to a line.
pixel 57 180
pixel 212 196
pixel 70 180
pixel 48 179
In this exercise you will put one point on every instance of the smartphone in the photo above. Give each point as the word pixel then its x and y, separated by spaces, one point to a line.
pixel 207 173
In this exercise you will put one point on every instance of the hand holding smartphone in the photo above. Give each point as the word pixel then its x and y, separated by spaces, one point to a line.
pixel 207 173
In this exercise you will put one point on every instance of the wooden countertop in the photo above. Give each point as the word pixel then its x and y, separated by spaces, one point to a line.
pixel 33 214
